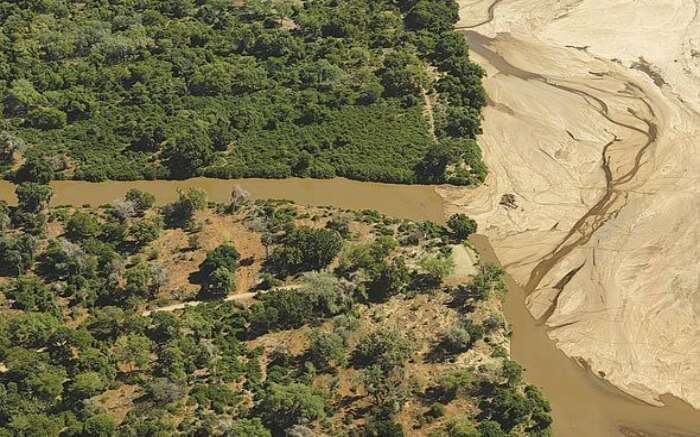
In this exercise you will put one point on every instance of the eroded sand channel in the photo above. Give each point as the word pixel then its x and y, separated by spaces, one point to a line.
pixel 593 127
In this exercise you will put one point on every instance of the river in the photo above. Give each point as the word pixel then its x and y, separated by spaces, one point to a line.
pixel 418 202
pixel 583 405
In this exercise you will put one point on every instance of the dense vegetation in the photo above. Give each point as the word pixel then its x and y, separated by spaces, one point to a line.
pixel 269 88
pixel 316 352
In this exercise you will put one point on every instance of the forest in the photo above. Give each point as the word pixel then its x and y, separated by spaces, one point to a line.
pixel 249 319
pixel 379 90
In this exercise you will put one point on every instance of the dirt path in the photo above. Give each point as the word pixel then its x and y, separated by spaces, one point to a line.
pixel 239 297
pixel 602 158
pixel 193 303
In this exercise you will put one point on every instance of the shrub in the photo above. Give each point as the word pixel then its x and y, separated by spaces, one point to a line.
pixel 47 118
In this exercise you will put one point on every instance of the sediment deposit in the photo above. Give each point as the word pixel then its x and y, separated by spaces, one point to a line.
pixel 593 134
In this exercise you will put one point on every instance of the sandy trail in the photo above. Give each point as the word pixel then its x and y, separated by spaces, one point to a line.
pixel 593 124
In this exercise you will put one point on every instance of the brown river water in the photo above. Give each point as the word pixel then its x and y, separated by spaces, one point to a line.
pixel 583 405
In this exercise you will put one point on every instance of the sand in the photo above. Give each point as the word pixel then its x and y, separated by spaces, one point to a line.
pixel 594 126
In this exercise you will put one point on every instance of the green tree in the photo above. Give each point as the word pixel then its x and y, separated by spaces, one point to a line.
pixel 461 226
pixel 219 283
pixel 327 350
pixel 47 118
pixel 33 197
pixel 386 348
pixel 224 255
pixel 461 426
pixel 133 351
pixel 35 425
pixel 389 279
pixel 436 268
pixel 144 231
pixel 87 384
pixel 100 425
pixel 305 248
pixel 30 294
pixel 181 212
pixel 189 151
pixel 141 200
pixel 283 406
pixel 248 428
pixel 82 226
pixel 37 169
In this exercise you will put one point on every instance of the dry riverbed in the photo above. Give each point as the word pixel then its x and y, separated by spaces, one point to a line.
pixel 593 127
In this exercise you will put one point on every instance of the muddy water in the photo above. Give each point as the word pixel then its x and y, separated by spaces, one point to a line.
pixel 582 404
pixel 417 202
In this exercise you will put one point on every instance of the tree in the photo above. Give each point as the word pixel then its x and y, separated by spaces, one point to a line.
pixel 33 197
pixel 462 122
pixel 327 350
pixel 386 348
pixel 540 416
pixel 144 231
pixel 141 200
pixel 461 426
pixel 189 151
pixel 389 279
pixel 22 96
pixel 305 248
pixel 456 340
pixel 436 268
pixel 507 407
pixel 87 384
pixel 219 283
pixel 143 280
pixel 224 255
pixel 46 383
pixel 181 212
pixel 512 372
pixel 436 16
pixel 431 169
pixel 451 383
pixel 461 226
pixel 30 294
pixel 490 428
pixel 35 425
pixel 82 226
pixel 10 144
pixel 283 406
pixel 37 169
pixel 248 428
pixel 132 350
pixel 100 425
pixel 47 118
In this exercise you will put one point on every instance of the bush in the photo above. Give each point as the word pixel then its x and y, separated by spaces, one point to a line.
pixel 306 249
pixel 82 226
pixel 283 406
pixel 386 348
pixel 141 200
pixel 461 226
pixel 47 119
pixel 327 350
pixel 181 212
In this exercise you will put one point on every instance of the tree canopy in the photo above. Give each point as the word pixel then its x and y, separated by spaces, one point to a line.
pixel 172 89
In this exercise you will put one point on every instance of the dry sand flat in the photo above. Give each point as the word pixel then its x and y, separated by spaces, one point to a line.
pixel 594 126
